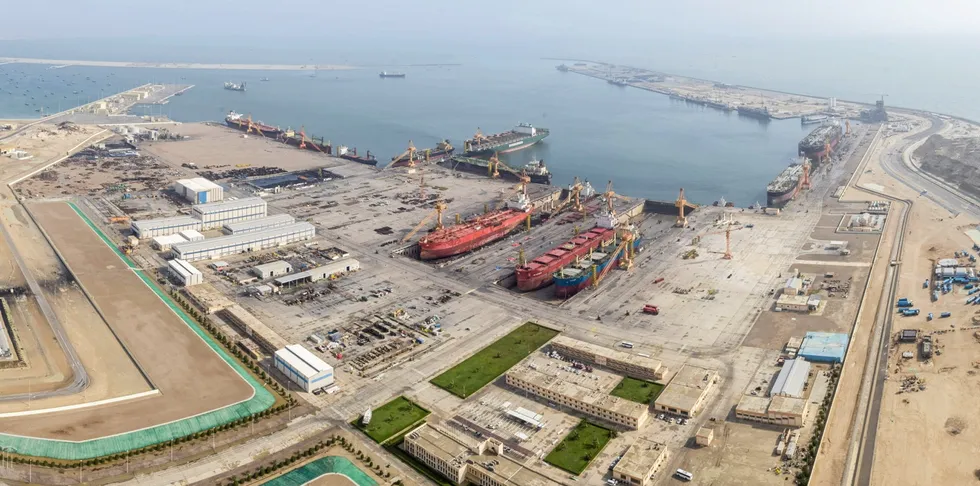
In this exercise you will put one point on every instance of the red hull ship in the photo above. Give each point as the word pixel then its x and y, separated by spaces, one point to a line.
pixel 461 238
pixel 539 272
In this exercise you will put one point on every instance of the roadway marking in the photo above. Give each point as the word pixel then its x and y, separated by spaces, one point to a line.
pixel 835 264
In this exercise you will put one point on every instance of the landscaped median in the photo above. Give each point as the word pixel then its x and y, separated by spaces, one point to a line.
pixel 494 360
pixel 392 418
pixel 577 450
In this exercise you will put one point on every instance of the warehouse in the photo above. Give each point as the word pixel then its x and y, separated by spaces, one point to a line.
pixel 250 326
pixel 272 269
pixel 248 242
pixel 191 235
pixel 632 365
pixel 215 215
pixel 791 380
pixel 320 273
pixel 148 228
pixel 185 273
pixel 273 221
pixel 687 391
pixel 303 368
pixel 824 347
pixel 166 242
pixel 778 410
pixel 640 462
pixel 199 190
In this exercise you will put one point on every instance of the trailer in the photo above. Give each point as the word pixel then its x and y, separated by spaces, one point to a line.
pixel 910 312
pixel 944 315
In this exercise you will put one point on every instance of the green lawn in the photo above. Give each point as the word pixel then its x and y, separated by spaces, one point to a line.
pixel 637 390
pixel 579 447
pixel 492 361
pixel 392 418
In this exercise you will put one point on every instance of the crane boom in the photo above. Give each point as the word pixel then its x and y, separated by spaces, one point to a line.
pixel 622 247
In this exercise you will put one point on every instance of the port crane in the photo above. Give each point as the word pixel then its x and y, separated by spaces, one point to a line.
pixel 680 203
pixel 626 261
pixel 410 152
pixel 252 126
pixel 729 222
pixel 805 177
pixel 574 193
pixel 610 195
pixel 439 208
pixel 521 187
pixel 492 165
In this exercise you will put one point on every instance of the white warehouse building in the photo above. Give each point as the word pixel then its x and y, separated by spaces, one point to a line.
pixel 234 244
pixel 273 221
pixel 303 368
pixel 148 228
pixel 215 215
pixel 185 273
pixel 199 190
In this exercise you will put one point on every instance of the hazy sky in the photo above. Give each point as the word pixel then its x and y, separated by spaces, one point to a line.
pixel 484 21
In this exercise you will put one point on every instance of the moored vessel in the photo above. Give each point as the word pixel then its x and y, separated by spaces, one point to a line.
pixel 521 137
pixel 821 142
pixel 571 279
pixel 235 86
pixel 755 112
pixel 785 186
pixel 351 154
pixel 311 143
pixel 386 74
pixel 413 156
pixel 536 169
pixel 471 234
pixel 539 272
pixel 245 124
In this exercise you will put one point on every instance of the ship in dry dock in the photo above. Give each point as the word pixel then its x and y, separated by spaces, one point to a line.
pixel 539 272
pixel 473 233
pixel 821 142
pixel 785 186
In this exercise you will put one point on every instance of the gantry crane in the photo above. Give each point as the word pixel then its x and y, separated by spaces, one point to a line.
pixel 492 165
pixel 626 260
pixel 680 203
pixel 439 208
pixel 410 152
pixel 521 187
pixel 610 195
pixel 302 137
pixel 728 237
pixel 573 195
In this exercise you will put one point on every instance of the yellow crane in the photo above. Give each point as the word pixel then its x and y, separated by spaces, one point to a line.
pixel 805 176
pixel 680 203
pixel 409 152
pixel 625 261
pixel 728 237
pixel 521 187
pixel 439 208
pixel 492 165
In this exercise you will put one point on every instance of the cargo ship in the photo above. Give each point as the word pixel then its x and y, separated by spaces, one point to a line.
pixel 471 234
pixel 535 169
pixel 785 186
pixel 812 119
pixel 386 74
pixel 572 279
pixel 622 82
pixel 521 137
pixel 755 112
pixel 821 142
pixel 442 152
pixel 540 271
pixel 312 143
pixel 351 154
pixel 235 87
pixel 241 122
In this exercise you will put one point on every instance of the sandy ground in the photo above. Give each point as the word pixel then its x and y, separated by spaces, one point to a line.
pixel 176 369
pixel 179 65
pixel 331 480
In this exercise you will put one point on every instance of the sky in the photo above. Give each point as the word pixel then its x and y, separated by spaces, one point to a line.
pixel 481 22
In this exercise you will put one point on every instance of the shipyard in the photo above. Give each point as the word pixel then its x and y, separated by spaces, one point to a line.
pixel 455 317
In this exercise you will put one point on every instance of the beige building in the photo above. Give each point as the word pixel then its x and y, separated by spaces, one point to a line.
pixel 547 382
pixel 464 459
pixel 640 462
pixel 687 391
pixel 778 410
pixel 250 326
pixel 704 436
pixel 628 364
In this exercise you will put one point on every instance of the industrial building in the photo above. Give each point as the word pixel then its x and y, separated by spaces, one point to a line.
pixel 797 303
pixel 273 221
pixel 185 273
pixel 588 397
pixel 319 273
pixel 216 215
pixel 704 437
pixel 791 380
pixel 250 326
pixel 824 347
pixel 632 365
pixel 687 391
pixel 148 228
pixel 463 458
pixel 272 269
pixel 191 235
pixel 199 190
pixel 234 244
pixel 794 286
pixel 778 410
pixel 640 462
pixel 303 368
pixel 166 242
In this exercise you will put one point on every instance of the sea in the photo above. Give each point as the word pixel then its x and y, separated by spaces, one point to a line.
pixel 645 144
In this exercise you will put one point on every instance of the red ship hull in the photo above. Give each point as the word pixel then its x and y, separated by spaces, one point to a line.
pixel 539 272
pixel 461 238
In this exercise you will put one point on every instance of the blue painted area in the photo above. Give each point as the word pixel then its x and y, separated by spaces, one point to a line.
pixel 824 347
pixel 202 197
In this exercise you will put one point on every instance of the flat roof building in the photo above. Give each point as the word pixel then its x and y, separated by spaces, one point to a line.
pixel 794 286
pixel 191 235
pixel 687 391
pixel 791 380
pixel 824 347
pixel 166 242
pixel 274 221
pixel 558 386
pixel 215 215
pixel 793 302
pixel 303 368
pixel 619 361
pixel 641 461
pixel 704 437
pixel 185 273
pixel 778 410
pixel 319 273
pixel 148 228
pixel 272 269
pixel 252 327
pixel 233 244
pixel 199 190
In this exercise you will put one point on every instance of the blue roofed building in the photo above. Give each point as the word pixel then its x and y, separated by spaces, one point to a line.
pixel 824 347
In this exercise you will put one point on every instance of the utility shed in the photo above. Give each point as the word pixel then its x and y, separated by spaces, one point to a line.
pixel 909 335
pixel 274 221
pixel 199 190
pixel 148 228
pixel 319 273
pixel 303 368
pixel 185 273
pixel 824 347
pixel 792 378
pixel 272 269
pixel 215 215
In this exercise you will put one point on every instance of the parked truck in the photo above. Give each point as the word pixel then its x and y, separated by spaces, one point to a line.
pixel 904 302
pixel 910 312
pixel 944 315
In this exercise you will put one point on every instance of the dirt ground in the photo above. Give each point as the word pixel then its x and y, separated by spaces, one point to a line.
pixel 45 143
pixel 143 323
pixel 332 480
